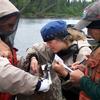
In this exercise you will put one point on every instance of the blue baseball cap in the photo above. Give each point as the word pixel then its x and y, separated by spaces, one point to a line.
pixel 53 30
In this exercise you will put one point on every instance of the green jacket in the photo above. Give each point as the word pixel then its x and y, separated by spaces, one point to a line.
pixel 90 88
pixel 91 85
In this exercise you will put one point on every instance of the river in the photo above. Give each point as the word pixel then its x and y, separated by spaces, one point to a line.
pixel 28 32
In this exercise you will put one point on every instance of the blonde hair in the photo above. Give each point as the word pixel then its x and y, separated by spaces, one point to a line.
pixel 74 35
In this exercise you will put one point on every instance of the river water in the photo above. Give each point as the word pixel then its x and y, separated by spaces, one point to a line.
pixel 28 32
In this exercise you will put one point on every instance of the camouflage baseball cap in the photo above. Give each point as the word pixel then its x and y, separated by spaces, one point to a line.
pixel 91 13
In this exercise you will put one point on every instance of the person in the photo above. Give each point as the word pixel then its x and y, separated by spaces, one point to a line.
pixel 44 57
pixel 12 79
pixel 87 75
pixel 63 42
pixel 89 83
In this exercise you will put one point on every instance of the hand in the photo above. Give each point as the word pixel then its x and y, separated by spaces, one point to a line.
pixel 77 65
pixel 45 85
pixel 4 61
pixel 34 65
pixel 58 67
pixel 76 75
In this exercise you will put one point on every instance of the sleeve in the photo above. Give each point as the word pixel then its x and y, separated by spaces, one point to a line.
pixel 83 52
pixel 34 51
pixel 90 88
pixel 29 54
pixel 15 80
pixel 41 52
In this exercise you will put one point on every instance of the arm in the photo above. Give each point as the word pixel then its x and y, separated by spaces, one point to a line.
pixel 42 54
pixel 86 84
pixel 29 65
pixel 60 70
pixel 83 52
pixel 90 88
pixel 15 80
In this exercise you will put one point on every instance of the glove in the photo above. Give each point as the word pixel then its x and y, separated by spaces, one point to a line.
pixel 4 61
pixel 43 85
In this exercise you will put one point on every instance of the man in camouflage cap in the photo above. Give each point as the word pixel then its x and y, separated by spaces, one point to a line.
pixel 89 80
pixel 87 74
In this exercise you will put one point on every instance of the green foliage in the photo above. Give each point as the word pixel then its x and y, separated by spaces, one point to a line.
pixel 75 9
pixel 50 8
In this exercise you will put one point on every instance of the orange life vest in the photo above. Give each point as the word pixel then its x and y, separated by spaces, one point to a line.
pixel 92 70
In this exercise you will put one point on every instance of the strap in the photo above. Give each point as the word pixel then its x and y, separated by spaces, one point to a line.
pixel 76 53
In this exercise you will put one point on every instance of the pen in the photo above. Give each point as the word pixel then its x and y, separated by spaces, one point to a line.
pixel 83 62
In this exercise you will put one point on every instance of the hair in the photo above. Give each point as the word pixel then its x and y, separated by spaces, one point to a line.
pixel 74 35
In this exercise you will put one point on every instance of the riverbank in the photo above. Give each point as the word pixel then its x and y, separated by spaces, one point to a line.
pixel 51 17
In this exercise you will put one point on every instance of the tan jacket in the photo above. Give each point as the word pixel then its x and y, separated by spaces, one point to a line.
pixel 15 80
pixel 12 79
pixel 44 55
pixel 84 50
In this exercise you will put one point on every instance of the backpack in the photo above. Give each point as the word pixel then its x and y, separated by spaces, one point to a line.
pixel 73 50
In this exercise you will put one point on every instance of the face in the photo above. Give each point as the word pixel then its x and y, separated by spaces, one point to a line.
pixel 56 45
pixel 8 25
pixel 95 33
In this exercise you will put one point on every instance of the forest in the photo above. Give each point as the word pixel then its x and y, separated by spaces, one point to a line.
pixel 50 8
